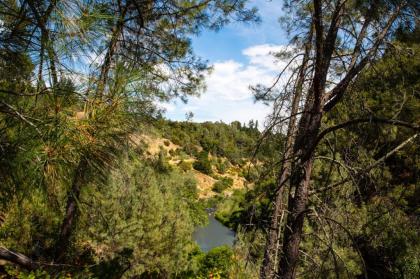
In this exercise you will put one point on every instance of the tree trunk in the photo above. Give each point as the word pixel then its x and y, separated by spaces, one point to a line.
pixel 109 56
pixel 268 269
pixel 293 231
pixel 299 180
pixel 270 254
pixel 72 210
pixel 42 21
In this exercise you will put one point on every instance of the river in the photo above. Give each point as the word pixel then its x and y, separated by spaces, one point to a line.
pixel 213 235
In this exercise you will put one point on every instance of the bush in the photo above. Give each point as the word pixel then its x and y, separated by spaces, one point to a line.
pixel 221 166
pixel 185 166
pixel 190 149
pixel 222 184
pixel 161 164
pixel 203 163
pixel 181 154
pixel 217 261
pixel 250 174
pixel 166 142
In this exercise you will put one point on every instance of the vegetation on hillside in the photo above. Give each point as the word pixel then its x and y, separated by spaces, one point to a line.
pixel 234 141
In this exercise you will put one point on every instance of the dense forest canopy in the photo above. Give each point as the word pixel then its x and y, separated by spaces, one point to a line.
pixel 96 183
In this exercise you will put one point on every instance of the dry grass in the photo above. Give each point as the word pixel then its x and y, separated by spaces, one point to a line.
pixel 204 182
pixel 204 185
pixel 156 144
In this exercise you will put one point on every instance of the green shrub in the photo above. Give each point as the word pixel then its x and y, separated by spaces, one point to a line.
pixel 185 166
pixel 217 261
pixel 181 154
pixel 222 166
pixel 161 163
pixel 230 209
pixel 203 163
pixel 250 174
pixel 222 184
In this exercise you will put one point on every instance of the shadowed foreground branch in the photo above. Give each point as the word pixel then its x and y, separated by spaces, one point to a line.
pixel 18 258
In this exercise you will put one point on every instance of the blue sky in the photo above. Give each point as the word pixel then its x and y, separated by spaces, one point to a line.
pixel 241 56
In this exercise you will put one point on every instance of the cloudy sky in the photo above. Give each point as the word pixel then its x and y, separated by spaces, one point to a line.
pixel 240 55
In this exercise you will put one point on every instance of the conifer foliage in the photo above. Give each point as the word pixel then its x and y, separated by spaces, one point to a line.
pixel 78 79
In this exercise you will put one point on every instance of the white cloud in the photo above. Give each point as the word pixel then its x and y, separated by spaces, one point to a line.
pixel 228 97
pixel 168 107
pixel 230 80
pixel 262 56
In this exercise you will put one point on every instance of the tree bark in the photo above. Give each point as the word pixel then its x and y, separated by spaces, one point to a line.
pixel 109 56
pixel 17 258
pixel 42 21
pixel 268 268
pixel 72 210
pixel 305 142
pixel 299 180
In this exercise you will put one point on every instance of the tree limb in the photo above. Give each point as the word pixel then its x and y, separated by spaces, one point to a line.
pixel 18 258
pixel 337 93
pixel 370 167
pixel 372 119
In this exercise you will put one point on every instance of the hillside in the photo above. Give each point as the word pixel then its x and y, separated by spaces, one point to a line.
pixel 226 150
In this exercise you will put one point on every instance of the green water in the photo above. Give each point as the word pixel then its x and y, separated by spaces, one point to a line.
pixel 213 235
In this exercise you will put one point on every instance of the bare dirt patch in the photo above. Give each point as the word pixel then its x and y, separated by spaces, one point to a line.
pixel 154 144
pixel 204 184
